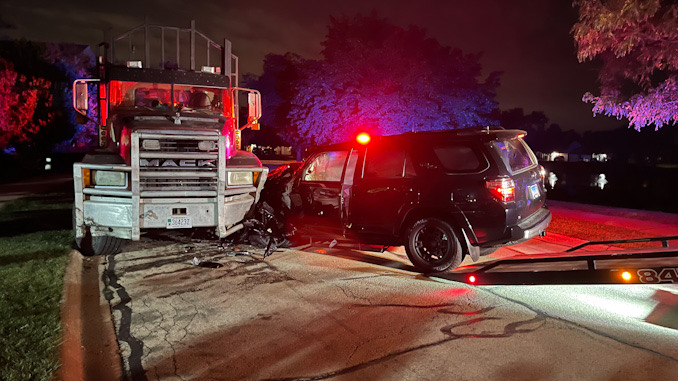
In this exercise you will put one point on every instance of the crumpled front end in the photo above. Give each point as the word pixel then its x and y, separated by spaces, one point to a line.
pixel 177 179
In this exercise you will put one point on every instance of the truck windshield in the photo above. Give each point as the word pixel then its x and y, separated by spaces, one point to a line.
pixel 166 96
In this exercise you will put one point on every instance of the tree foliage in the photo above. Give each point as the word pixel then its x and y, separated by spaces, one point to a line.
pixel 35 105
pixel 637 41
pixel 73 62
pixel 375 77
pixel 25 104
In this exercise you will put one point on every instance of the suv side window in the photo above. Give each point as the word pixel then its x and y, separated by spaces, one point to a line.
pixel 326 166
pixel 387 163
pixel 457 158
pixel 515 154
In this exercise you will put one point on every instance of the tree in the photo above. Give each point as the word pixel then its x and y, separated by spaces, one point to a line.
pixel 25 104
pixel 378 78
pixel 275 84
pixel 637 41
pixel 53 126
pixel 73 62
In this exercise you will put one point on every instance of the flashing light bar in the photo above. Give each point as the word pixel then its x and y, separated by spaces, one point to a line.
pixel 363 138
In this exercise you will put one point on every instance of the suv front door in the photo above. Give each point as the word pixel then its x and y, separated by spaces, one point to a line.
pixel 320 189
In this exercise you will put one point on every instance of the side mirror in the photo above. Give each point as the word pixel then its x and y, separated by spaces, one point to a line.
pixel 80 97
pixel 253 109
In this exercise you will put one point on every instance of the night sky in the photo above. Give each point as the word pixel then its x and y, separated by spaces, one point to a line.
pixel 528 40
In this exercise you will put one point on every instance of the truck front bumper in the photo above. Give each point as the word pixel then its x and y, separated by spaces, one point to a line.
pixel 121 213
pixel 114 216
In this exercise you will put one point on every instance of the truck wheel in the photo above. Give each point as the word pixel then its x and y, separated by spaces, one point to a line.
pixel 100 245
pixel 432 245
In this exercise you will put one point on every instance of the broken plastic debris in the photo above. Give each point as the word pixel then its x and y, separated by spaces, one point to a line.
pixel 333 243
pixel 237 252
pixel 196 261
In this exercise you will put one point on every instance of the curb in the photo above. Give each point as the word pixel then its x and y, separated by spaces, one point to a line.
pixel 71 351
pixel 89 348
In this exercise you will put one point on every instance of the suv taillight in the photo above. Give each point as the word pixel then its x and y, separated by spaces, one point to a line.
pixel 502 189
pixel 542 173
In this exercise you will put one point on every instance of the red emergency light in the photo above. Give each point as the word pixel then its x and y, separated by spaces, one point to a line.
pixel 363 138
pixel 472 279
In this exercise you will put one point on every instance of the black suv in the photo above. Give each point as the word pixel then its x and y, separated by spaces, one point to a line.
pixel 441 194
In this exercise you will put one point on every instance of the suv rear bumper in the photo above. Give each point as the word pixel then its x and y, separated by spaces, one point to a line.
pixel 531 226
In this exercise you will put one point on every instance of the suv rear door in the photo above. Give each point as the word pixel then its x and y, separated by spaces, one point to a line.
pixel 523 169
pixel 383 190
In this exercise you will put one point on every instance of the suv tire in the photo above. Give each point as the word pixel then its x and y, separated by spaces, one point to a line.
pixel 432 245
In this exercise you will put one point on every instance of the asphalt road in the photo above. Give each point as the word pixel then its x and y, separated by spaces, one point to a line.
pixel 337 313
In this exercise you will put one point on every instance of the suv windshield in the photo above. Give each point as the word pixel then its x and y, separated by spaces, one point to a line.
pixel 515 153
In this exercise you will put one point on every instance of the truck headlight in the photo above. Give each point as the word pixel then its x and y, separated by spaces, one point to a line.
pixel 150 144
pixel 206 145
pixel 109 178
pixel 240 178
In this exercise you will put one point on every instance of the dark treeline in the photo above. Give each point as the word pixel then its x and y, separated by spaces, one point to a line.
pixel 623 143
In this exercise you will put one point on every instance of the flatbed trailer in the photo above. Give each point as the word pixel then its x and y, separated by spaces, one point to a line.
pixel 655 265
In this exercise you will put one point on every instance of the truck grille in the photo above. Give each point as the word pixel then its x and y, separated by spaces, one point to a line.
pixel 177 164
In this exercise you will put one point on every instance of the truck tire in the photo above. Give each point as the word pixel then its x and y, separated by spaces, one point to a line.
pixel 99 245
pixel 432 245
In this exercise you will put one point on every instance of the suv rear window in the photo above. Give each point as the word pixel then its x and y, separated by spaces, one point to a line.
pixel 460 158
pixel 515 153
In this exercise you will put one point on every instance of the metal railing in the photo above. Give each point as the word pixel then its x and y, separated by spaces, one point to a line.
pixel 663 240
pixel 228 62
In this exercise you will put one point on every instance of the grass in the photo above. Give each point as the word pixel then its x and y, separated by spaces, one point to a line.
pixel 33 254
pixel 589 231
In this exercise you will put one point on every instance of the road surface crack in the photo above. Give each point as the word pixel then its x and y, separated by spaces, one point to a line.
pixel 582 327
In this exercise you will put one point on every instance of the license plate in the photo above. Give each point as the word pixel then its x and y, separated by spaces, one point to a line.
pixel 534 191
pixel 176 222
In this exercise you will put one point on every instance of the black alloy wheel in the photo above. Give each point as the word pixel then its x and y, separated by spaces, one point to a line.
pixel 432 245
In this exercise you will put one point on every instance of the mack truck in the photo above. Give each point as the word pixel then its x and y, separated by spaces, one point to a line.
pixel 168 154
